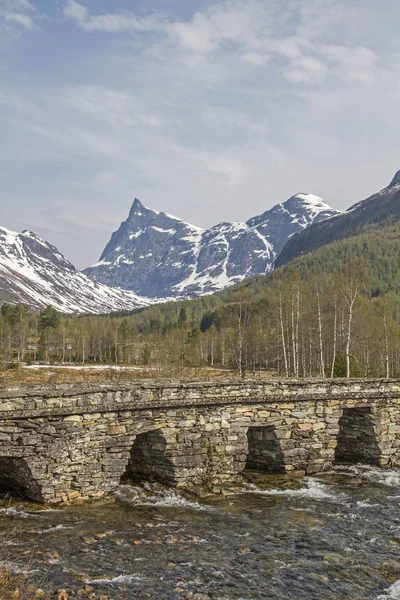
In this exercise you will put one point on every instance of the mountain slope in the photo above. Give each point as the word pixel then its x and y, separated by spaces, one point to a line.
pixel 377 251
pixel 159 256
pixel 35 273
pixel 374 211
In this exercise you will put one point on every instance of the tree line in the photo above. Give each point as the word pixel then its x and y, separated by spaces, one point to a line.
pixel 295 323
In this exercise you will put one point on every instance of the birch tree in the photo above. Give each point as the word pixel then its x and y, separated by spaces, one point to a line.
pixel 353 281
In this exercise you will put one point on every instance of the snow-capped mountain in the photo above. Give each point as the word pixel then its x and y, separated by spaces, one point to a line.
pixel 159 256
pixel 35 273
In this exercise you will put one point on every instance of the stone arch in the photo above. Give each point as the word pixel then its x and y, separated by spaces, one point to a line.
pixel 357 439
pixel 148 458
pixel 264 450
pixel 16 479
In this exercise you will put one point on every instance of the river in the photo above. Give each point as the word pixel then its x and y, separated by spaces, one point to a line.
pixel 319 538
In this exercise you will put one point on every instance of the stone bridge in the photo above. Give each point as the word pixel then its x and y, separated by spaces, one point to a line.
pixel 62 442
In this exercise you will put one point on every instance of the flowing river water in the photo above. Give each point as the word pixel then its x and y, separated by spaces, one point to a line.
pixel 319 538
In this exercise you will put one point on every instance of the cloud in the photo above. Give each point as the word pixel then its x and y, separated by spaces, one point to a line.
pixel 14 13
pixel 223 23
pixel 24 20
pixel 291 47
pixel 306 69
pixel 75 11
pixel 109 22
pixel 254 32
pixel 237 22
pixel 230 169
pixel 358 64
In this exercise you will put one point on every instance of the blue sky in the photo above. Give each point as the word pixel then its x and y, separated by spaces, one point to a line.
pixel 208 110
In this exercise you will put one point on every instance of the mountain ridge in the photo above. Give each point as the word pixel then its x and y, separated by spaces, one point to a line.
pixel 375 210
pixel 157 255
pixel 34 272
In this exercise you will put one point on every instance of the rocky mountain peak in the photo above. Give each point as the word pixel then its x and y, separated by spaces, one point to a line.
pixel 136 208
pixel 141 217
pixel 308 203
pixel 139 214
pixel 395 180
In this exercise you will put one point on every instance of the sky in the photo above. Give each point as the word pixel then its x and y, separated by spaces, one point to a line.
pixel 211 111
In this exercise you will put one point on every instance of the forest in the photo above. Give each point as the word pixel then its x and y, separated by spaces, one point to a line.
pixel 332 313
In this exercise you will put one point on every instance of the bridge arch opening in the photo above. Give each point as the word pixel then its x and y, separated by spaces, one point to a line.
pixel 264 451
pixel 148 459
pixel 357 439
pixel 16 479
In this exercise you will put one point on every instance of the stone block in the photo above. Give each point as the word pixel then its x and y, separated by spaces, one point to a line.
pixel 305 426
pixel 394 429
pixel 116 429
pixel 73 419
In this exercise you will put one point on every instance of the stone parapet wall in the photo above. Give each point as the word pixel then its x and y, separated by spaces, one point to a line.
pixel 59 399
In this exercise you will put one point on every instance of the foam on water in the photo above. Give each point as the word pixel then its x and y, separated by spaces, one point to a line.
pixel 55 528
pixel 118 580
pixel 393 593
pixel 137 497
pixel 178 501
pixel 314 490
pixel 366 504
pixel 17 513
pixel 388 477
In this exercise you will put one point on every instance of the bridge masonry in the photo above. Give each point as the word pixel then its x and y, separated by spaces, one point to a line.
pixel 64 442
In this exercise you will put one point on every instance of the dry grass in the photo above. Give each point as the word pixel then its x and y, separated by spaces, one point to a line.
pixel 49 375
pixel 67 375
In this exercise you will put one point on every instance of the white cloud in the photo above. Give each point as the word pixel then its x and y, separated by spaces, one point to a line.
pixel 24 20
pixel 306 69
pixel 13 13
pixel 75 11
pixel 291 47
pixel 231 170
pixel 358 64
pixel 226 22
pixel 256 59
pixel 252 31
pixel 235 21
pixel 109 22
